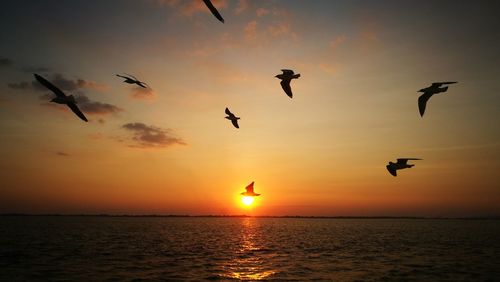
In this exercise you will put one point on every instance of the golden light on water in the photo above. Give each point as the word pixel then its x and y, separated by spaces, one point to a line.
pixel 247 200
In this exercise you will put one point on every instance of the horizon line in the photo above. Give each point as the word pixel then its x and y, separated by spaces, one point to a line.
pixel 252 216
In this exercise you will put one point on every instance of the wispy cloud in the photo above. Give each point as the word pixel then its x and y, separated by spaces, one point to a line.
pixel 61 82
pixel 61 154
pixel 23 85
pixel 76 86
pixel 461 147
pixel 146 136
pixel 35 69
pixel 250 30
pixel 87 105
pixel 96 108
pixel 191 7
pixel 261 12
pixel 143 93
pixel 337 41
pixel 242 7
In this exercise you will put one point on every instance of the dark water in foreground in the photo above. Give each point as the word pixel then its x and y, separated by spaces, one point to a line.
pixel 118 248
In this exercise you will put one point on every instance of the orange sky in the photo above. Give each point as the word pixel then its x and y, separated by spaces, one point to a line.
pixel 321 153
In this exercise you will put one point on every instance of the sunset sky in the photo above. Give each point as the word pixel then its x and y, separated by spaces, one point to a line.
pixel 169 150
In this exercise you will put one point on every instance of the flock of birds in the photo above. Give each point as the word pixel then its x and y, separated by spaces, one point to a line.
pixel 286 77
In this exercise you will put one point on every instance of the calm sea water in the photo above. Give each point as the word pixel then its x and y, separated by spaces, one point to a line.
pixel 119 248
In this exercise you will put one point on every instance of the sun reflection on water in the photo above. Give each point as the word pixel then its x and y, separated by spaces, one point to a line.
pixel 249 262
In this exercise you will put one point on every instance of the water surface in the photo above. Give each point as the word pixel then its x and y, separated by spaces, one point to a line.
pixel 73 248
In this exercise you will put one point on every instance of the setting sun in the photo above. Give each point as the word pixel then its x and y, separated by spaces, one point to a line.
pixel 247 200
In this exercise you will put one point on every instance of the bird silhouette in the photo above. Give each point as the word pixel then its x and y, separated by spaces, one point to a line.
pixel 213 10
pixel 435 88
pixel 286 77
pixel 400 164
pixel 250 191
pixel 61 98
pixel 130 79
pixel 234 119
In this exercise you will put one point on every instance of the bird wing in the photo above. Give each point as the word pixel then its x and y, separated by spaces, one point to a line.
pixel 141 84
pixel 50 86
pixel 402 161
pixel 286 71
pixel 77 111
pixel 422 102
pixel 391 170
pixel 122 76
pixel 250 187
pixel 213 10
pixel 285 84
pixel 235 123
pixel 228 112
pixel 131 76
pixel 405 160
pixel 446 82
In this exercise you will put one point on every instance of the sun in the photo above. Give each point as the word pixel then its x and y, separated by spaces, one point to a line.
pixel 247 200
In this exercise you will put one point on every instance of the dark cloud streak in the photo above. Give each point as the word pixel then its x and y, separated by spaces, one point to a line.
pixel 152 137
pixel 85 104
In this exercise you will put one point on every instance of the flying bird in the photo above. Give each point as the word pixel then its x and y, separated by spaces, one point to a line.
pixel 435 88
pixel 213 10
pixel 401 164
pixel 250 192
pixel 130 79
pixel 61 98
pixel 234 119
pixel 286 77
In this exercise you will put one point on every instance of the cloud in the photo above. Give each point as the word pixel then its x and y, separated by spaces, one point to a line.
pixel 191 7
pixel 71 85
pixel 5 62
pixel 62 154
pixel 337 41
pixel 250 30
pixel 61 82
pixel 261 12
pixel 146 136
pixel 266 30
pixel 242 7
pixel 19 85
pixel 32 69
pixel 95 108
pixel 86 105
pixel 76 86
pixel 143 93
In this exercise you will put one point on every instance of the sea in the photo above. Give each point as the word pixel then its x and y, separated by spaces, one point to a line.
pixel 108 248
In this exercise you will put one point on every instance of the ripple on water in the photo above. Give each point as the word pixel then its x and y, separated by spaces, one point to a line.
pixel 117 249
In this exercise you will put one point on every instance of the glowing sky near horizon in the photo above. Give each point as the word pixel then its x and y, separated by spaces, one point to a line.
pixel 324 152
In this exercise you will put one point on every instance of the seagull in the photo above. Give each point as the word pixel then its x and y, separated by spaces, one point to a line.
pixel 61 98
pixel 401 164
pixel 435 88
pixel 130 79
pixel 250 191
pixel 286 77
pixel 234 119
pixel 213 10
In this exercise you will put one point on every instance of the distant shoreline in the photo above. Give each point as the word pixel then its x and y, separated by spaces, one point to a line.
pixel 247 216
